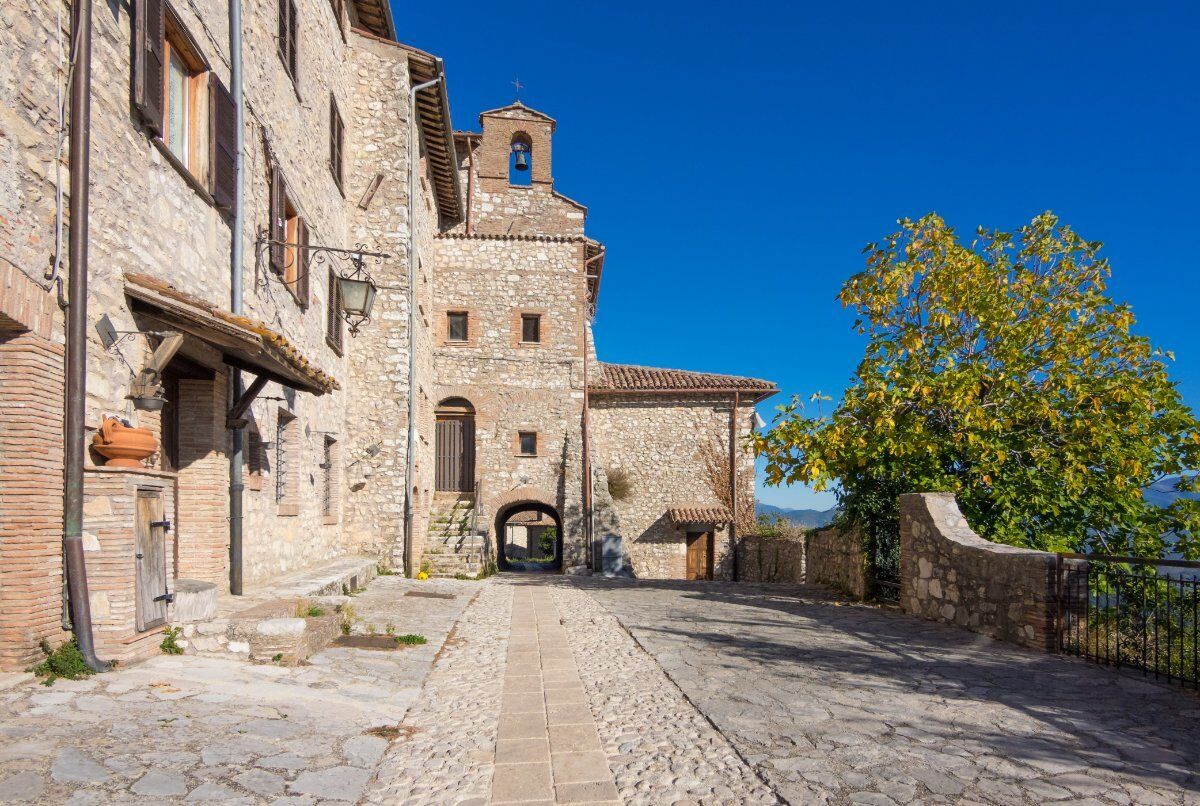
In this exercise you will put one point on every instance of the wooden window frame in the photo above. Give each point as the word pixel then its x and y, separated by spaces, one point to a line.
pixel 536 317
pixel 290 261
pixel 466 316
pixel 255 456
pixel 177 42
pixel 519 446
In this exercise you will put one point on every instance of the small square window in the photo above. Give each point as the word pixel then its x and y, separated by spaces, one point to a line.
pixel 456 326
pixel 531 328
pixel 527 443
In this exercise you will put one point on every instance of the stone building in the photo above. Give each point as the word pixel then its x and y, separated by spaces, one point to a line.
pixel 515 289
pixel 512 411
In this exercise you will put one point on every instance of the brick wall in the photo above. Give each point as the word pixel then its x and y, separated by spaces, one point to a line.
pixel 203 515
pixel 31 474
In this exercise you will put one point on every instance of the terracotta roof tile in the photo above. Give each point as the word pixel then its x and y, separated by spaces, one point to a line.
pixel 275 345
pixel 616 378
pixel 698 513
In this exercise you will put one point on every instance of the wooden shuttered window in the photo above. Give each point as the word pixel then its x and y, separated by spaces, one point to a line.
pixel 333 314
pixel 222 138
pixel 336 134
pixel 278 225
pixel 300 285
pixel 288 41
pixel 148 62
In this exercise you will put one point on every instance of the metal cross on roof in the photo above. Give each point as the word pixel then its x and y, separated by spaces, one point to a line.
pixel 517 83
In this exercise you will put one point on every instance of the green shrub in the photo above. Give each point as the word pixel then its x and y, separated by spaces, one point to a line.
pixel 66 662
pixel 410 639
pixel 169 645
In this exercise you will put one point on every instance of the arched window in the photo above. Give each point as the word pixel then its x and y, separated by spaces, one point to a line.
pixel 520 159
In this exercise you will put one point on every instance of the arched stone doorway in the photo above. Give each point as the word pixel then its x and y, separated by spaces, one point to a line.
pixel 529 537
pixel 454 449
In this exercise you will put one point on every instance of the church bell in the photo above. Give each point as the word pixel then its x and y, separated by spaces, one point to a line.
pixel 522 161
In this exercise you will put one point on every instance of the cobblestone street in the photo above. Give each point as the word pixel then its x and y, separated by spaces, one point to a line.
pixel 544 689
pixel 841 703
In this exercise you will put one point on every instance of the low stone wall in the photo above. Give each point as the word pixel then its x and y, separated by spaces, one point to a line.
pixel 950 574
pixel 771 559
pixel 837 559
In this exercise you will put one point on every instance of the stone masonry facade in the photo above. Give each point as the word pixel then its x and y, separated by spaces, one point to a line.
pixel 327 161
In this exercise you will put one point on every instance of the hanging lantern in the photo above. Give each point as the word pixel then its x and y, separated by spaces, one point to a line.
pixel 357 292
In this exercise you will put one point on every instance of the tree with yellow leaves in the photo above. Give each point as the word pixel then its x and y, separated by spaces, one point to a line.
pixel 1000 371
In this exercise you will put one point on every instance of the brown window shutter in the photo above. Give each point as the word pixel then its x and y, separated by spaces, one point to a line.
pixel 282 34
pixel 302 286
pixel 222 140
pixel 278 225
pixel 335 141
pixel 148 70
pixel 333 314
pixel 293 41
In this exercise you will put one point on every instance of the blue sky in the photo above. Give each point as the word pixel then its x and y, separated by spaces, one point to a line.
pixel 735 159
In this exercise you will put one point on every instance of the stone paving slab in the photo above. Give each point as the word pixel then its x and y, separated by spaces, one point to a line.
pixel 187 729
pixel 839 703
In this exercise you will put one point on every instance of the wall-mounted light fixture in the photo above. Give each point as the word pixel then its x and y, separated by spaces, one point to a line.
pixel 146 391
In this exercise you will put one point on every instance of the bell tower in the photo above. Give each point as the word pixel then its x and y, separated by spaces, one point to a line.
pixel 516 148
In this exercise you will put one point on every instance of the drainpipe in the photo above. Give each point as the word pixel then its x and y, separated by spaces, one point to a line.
pixel 236 247
pixel 733 490
pixel 589 479
pixel 75 567
pixel 410 466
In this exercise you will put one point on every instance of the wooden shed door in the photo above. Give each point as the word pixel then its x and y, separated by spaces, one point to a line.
pixel 455 448
pixel 150 561
pixel 699 555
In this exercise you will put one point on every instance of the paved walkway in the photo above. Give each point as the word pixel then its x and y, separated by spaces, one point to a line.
pixel 840 703
pixel 539 696
pixel 188 729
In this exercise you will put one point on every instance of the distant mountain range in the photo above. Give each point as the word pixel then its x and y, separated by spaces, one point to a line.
pixel 807 518
pixel 1161 493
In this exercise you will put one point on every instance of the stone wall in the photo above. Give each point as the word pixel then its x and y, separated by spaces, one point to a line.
pixel 771 559
pixel 656 440
pixel 950 574
pixel 517 387
pixel 377 407
pixel 836 558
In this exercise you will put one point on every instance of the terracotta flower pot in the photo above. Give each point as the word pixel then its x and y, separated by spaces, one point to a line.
pixel 121 445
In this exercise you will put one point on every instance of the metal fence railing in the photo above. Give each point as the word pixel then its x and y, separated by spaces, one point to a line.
pixel 1130 611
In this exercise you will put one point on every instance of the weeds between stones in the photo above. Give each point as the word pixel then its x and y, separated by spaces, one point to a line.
pixel 66 662
pixel 169 644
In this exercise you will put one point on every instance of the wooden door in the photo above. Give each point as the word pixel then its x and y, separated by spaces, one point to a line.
pixel 455 454
pixel 150 561
pixel 699 555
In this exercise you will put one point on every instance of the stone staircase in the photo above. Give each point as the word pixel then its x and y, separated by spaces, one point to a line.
pixel 453 548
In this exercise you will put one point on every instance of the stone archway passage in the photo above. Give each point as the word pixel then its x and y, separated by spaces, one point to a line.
pixel 518 514
pixel 455 446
